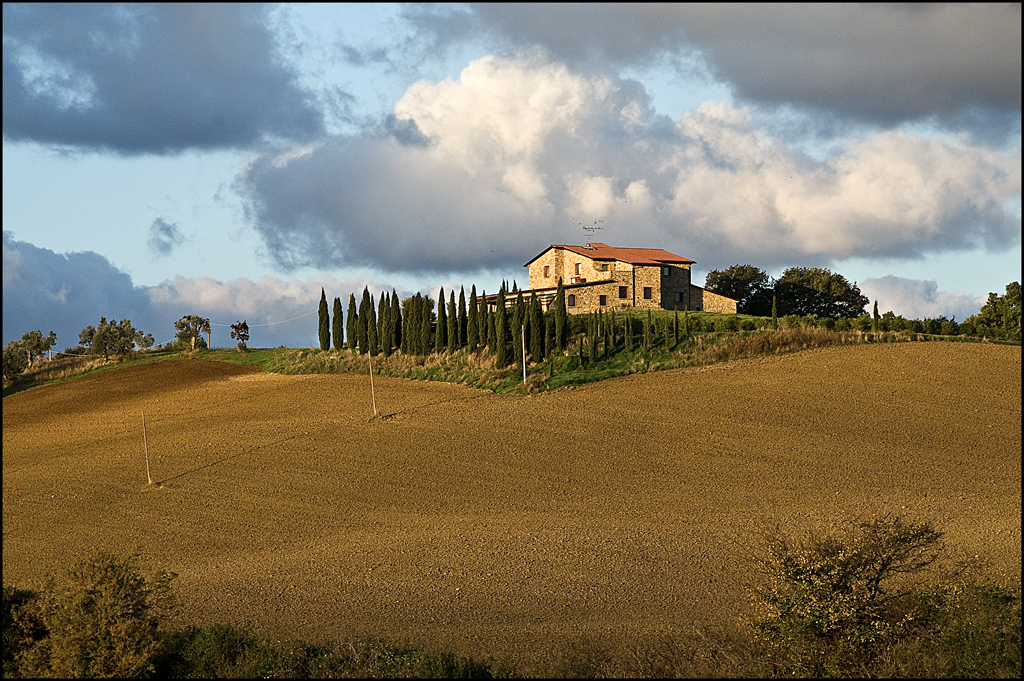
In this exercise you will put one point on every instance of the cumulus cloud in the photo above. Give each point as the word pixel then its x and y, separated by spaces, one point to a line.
pixel 164 237
pixel 520 152
pixel 149 79
pixel 878 63
pixel 920 298
pixel 65 292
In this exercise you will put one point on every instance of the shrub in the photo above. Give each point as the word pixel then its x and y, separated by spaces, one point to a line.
pixel 100 618
pixel 826 609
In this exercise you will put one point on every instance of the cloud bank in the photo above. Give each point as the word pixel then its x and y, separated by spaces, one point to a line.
pixel 521 152
pixel 149 78
pixel 881 64
pixel 920 299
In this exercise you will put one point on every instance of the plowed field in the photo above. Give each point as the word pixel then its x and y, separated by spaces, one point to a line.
pixel 494 524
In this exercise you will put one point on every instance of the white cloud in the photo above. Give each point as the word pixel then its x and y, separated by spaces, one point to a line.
pixel 485 171
pixel 920 298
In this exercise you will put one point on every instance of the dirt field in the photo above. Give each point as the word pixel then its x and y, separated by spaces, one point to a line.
pixel 496 524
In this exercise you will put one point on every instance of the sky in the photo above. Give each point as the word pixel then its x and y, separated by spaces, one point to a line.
pixel 232 160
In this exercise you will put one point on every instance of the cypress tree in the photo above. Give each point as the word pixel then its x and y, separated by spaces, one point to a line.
pixel 426 312
pixel 351 324
pixel 481 318
pixel 491 335
pixel 500 338
pixel 611 329
pixel 647 331
pixel 463 318
pixel 592 339
pixel 372 339
pixel 441 328
pixel 874 318
pixel 388 330
pixel 536 329
pixel 607 341
pixel 560 317
pixel 775 316
pixel 453 324
pixel 472 323
pixel 549 338
pixel 518 322
pixel 629 332
pixel 396 319
pixel 381 324
pixel 362 336
pixel 325 323
pixel 337 328
pixel 675 330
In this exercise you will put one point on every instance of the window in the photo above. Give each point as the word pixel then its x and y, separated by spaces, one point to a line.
pixel 577 268
pixel 604 267
pixel 664 271
pixel 647 293
pixel 570 299
pixel 622 292
pixel 547 271
pixel 679 297
pixel 602 300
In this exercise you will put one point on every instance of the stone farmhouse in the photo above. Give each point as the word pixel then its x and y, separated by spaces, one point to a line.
pixel 602 277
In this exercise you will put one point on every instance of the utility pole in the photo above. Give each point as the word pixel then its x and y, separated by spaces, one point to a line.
pixel 145 440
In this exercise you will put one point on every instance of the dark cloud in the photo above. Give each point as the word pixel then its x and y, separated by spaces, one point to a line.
pixel 149 79
pixel 66 292
pixel 523 151
pixel 163 237
pixel 881 64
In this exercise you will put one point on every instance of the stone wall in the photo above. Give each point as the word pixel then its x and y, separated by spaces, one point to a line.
pixel 702 299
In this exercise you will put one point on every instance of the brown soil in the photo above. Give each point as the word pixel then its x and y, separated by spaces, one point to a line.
pixel 494 524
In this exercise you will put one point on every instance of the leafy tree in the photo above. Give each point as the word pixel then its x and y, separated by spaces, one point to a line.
pixel 352 323
pixel 472 321
pixel 190 330
pixel 15 360
pixel 240 330
pixel 814 290
pixel 1000 315
pixel 325 322
pixel 560 317
pixel 746 284
pixel 101 618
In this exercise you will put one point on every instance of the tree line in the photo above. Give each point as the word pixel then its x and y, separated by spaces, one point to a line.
pixel 815 291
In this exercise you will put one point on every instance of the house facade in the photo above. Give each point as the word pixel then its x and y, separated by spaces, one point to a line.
pixel 602 277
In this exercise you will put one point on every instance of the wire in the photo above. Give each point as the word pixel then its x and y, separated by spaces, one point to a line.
pixel 285 321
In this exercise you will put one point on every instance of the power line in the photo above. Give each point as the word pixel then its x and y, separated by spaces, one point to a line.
pixel 253 326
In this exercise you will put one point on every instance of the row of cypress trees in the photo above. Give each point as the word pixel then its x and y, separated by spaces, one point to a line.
pixel 412 326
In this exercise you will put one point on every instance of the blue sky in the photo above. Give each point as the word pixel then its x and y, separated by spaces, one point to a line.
pixel 232 160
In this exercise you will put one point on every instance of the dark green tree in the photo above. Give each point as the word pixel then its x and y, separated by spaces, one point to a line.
pixel 560 317
pixel 372 339
pixel 325 322
pixel 337 326
pixel 629 332
pixel 363 332
pixel 500 332
pixel 647 331
pixel 441 333
pixel 382 326
pixel 482 316
pixel 463 318
pixel 190 330
pixel 35 345
pixel 240 331
pixel 675 330
pixel 536 329
pixel 426 324
pixel 352 323
pixel 492 316
pixel 775 314
pixel 746 284
pixel 592 339
pixel 874 318
pixel 472 323
pixel 518 330
pixel 453 324
pixel 813 290
pixel 999 316
pixel 396 320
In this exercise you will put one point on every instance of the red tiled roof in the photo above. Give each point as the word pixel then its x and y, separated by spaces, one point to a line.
pixel 634 256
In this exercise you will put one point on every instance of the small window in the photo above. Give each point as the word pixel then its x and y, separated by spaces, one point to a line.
pixel 622 292
pixel 679 297
pixel 604 267
pixel 577 268
pixel 647 293
pixel 570 299
pixel 602 300
pixel 664 271
pixel 547 271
